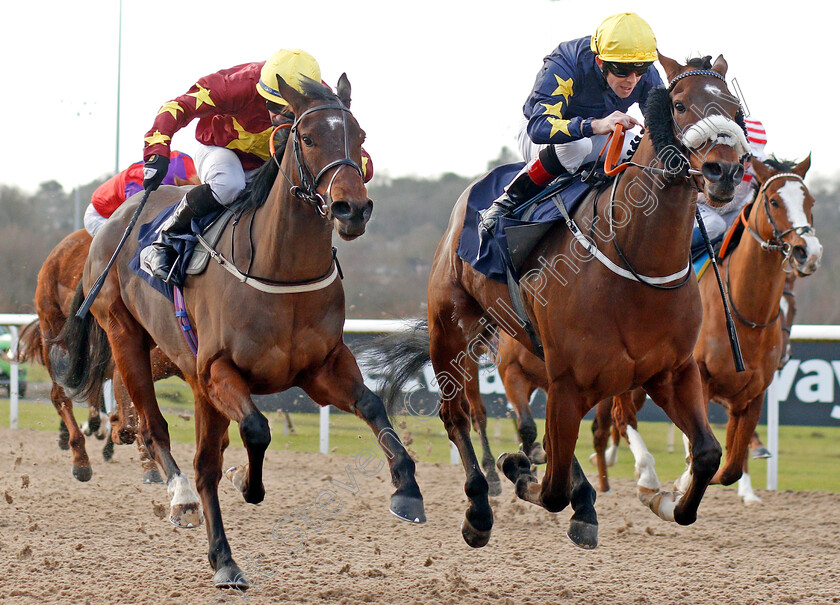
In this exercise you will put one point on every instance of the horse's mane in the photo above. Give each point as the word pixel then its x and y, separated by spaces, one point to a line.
pixel 257 190
pixel 780 165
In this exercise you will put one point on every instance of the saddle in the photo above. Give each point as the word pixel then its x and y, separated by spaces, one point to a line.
pixel 192 258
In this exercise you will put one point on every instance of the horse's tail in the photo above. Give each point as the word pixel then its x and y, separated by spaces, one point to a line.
pixel 401 355
pixel 30 346
pixel 82 361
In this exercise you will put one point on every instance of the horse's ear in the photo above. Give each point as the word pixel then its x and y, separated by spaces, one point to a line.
pixel 762 170
pixel 720 65
pixel 802 167
pixel 671 67
pixel 343 90
pixel 289 94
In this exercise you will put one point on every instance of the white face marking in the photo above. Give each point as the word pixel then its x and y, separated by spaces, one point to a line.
pixel 713 90
pixel 793 196
pixel 335 122
pixel 783 305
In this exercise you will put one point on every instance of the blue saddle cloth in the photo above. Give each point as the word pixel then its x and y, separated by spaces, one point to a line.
pixel 184 245
pixel 491 255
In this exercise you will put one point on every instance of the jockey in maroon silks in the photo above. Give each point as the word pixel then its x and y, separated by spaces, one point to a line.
pixel 237 110
pixel 113 192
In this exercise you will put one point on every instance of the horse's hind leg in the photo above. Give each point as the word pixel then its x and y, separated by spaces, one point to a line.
pixel 210 430
pixel 680 394
pixel 519 390
pixel 339 382
pixel 478 414
pixel 76 439
pixel 449 312
pixel 131 356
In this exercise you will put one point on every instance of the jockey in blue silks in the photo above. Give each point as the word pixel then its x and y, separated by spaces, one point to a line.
pixel 584 89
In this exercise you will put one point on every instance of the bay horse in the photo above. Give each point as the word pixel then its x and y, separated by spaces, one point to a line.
pixel 603 328
pixel 778 246
pixel 278 325
pixel 58 279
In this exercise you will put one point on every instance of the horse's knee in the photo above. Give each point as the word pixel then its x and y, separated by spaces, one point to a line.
pixel 706 461
pixel 255 431
pixel 369 406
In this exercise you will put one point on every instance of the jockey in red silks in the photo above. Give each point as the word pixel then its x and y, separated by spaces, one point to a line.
pixel 113 192
pixel 237 110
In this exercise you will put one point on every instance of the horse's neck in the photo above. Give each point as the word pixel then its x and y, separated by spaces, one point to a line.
pixel 756 280
pixel 651 218
pixel 292 241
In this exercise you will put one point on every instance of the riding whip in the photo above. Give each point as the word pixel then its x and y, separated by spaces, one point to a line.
pixel 730 325
pixel 97 286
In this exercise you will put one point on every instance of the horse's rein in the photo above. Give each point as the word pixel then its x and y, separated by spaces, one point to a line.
pixel 775 243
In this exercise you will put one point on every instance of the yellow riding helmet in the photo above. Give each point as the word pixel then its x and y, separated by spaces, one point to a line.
pixel 289 64
pixel 624 38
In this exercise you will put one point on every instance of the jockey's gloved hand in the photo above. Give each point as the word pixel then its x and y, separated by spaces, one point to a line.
pixel 154 171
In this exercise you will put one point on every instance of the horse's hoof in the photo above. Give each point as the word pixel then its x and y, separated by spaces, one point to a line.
pixel 761 452
pixel 237 476
pixel 751 499
pixel 186 516
pixel 593 458
pixel 230 576
pixel 82 473
pixel 584 535
pixel 474 537
pixel 408 508
pixel 152 476
pixel 512 465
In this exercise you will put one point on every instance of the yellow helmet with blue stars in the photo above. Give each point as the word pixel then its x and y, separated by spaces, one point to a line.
pixel 624 38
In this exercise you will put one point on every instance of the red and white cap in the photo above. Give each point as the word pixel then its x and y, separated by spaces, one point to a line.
pixel 757 138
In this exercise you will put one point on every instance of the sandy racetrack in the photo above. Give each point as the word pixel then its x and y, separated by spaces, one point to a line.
pixel 62 541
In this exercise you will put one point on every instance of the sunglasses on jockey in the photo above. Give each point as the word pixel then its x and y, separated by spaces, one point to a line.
pixel 622 70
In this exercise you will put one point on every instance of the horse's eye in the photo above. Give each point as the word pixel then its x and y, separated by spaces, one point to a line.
pixel 680 107
pixel 307 140
pixel 774 202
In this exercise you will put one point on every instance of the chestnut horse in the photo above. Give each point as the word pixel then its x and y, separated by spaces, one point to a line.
pixel 605 328
pixel 778 245
pixel 57 281
pixel 280 325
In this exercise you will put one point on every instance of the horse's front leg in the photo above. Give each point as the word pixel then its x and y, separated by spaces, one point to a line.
pixel 339 382
pixel 601 430
pixel 564 481
pixel 680 394
pixel 519 391
pixel 228 392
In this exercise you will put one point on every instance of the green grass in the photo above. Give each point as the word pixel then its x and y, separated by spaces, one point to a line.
pixel 809 457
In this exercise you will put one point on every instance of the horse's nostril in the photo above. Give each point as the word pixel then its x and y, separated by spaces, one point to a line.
pixel 341 210
pixel 800 254
pixel 712 171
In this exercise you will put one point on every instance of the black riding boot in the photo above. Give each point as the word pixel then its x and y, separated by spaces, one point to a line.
pixel 160 260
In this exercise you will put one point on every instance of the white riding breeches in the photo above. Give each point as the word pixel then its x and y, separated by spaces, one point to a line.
pixel 573 154
pixel 220 168
pixel 93 220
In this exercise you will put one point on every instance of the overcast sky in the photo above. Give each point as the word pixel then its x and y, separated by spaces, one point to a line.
pixel 437 85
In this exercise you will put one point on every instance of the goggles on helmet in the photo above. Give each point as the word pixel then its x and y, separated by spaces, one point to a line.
pixel 622 70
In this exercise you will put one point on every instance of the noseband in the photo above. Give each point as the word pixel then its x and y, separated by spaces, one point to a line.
pixel 307 190
pixel 776 242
